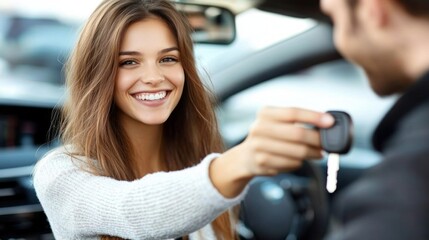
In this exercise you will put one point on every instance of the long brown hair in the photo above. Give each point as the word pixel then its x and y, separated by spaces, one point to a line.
pixel 89 119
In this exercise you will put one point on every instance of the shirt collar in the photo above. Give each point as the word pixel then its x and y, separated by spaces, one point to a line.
pixel 413 97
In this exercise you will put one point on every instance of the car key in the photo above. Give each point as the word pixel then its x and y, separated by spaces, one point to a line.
pixel 336 140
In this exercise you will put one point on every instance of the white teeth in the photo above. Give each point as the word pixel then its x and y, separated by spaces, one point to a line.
pixel 151 96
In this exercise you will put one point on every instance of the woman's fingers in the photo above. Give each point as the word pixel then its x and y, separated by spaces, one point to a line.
pixel 293 115
pixel 268 164
pixel 286 149
pixel 289 124
pixel 270 156
pixel 279 140
pixel 290 132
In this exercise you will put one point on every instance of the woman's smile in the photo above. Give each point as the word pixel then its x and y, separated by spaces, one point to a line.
pixel 153 98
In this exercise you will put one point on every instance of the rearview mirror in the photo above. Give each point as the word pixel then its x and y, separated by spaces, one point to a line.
pixel 211 24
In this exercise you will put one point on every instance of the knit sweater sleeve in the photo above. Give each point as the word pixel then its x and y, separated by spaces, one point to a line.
pixel 161 205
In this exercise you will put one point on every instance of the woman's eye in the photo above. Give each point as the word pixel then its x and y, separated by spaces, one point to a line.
pixel 128 62
pixel 169 60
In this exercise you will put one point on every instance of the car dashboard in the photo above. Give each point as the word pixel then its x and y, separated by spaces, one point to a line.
pixel 24 137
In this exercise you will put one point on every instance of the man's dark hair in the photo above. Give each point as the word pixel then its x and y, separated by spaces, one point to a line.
pixel 416 7
pixel 352 3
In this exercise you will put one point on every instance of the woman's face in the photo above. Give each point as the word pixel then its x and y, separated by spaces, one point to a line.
pixel 150 76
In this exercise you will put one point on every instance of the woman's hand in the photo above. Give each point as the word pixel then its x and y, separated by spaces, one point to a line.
pixel 278 141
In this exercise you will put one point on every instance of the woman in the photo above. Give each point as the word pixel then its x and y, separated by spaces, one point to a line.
pixel 137 123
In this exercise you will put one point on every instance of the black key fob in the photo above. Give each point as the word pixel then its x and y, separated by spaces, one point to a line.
pixel 339 137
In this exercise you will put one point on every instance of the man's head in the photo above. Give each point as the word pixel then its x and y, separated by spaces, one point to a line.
pixel 385 37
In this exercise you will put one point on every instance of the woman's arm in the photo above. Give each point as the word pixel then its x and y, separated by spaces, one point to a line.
pixel 159 206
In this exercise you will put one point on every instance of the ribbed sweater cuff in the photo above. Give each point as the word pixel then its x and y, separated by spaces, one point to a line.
pixel 213 194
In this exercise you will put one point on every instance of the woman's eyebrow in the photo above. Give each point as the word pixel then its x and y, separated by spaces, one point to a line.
pixel 132 53
pixel 169 50
pixel 136 53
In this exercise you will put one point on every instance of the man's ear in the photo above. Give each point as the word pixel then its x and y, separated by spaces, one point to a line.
pixel 377 11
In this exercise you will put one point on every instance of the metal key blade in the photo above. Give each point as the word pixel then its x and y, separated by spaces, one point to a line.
pixel 336 140
pixel 333 167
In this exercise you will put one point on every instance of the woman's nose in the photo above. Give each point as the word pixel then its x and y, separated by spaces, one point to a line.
pixel 152 75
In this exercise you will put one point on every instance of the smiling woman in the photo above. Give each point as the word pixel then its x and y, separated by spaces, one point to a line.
pixel 150 78
pixel 147 83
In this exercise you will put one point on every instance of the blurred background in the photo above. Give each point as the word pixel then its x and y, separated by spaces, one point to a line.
pixel 35 40
pixel 36 36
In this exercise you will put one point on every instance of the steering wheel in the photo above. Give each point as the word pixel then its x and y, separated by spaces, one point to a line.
pixel 289 206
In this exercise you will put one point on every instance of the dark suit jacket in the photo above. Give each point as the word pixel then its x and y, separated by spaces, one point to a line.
pixel 391 201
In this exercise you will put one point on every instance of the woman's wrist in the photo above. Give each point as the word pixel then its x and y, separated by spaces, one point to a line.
pixel 228 173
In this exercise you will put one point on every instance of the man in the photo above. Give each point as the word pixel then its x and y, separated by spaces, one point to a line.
pixel 389 39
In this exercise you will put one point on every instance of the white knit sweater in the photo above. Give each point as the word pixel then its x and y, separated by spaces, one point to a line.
pixel 161 205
